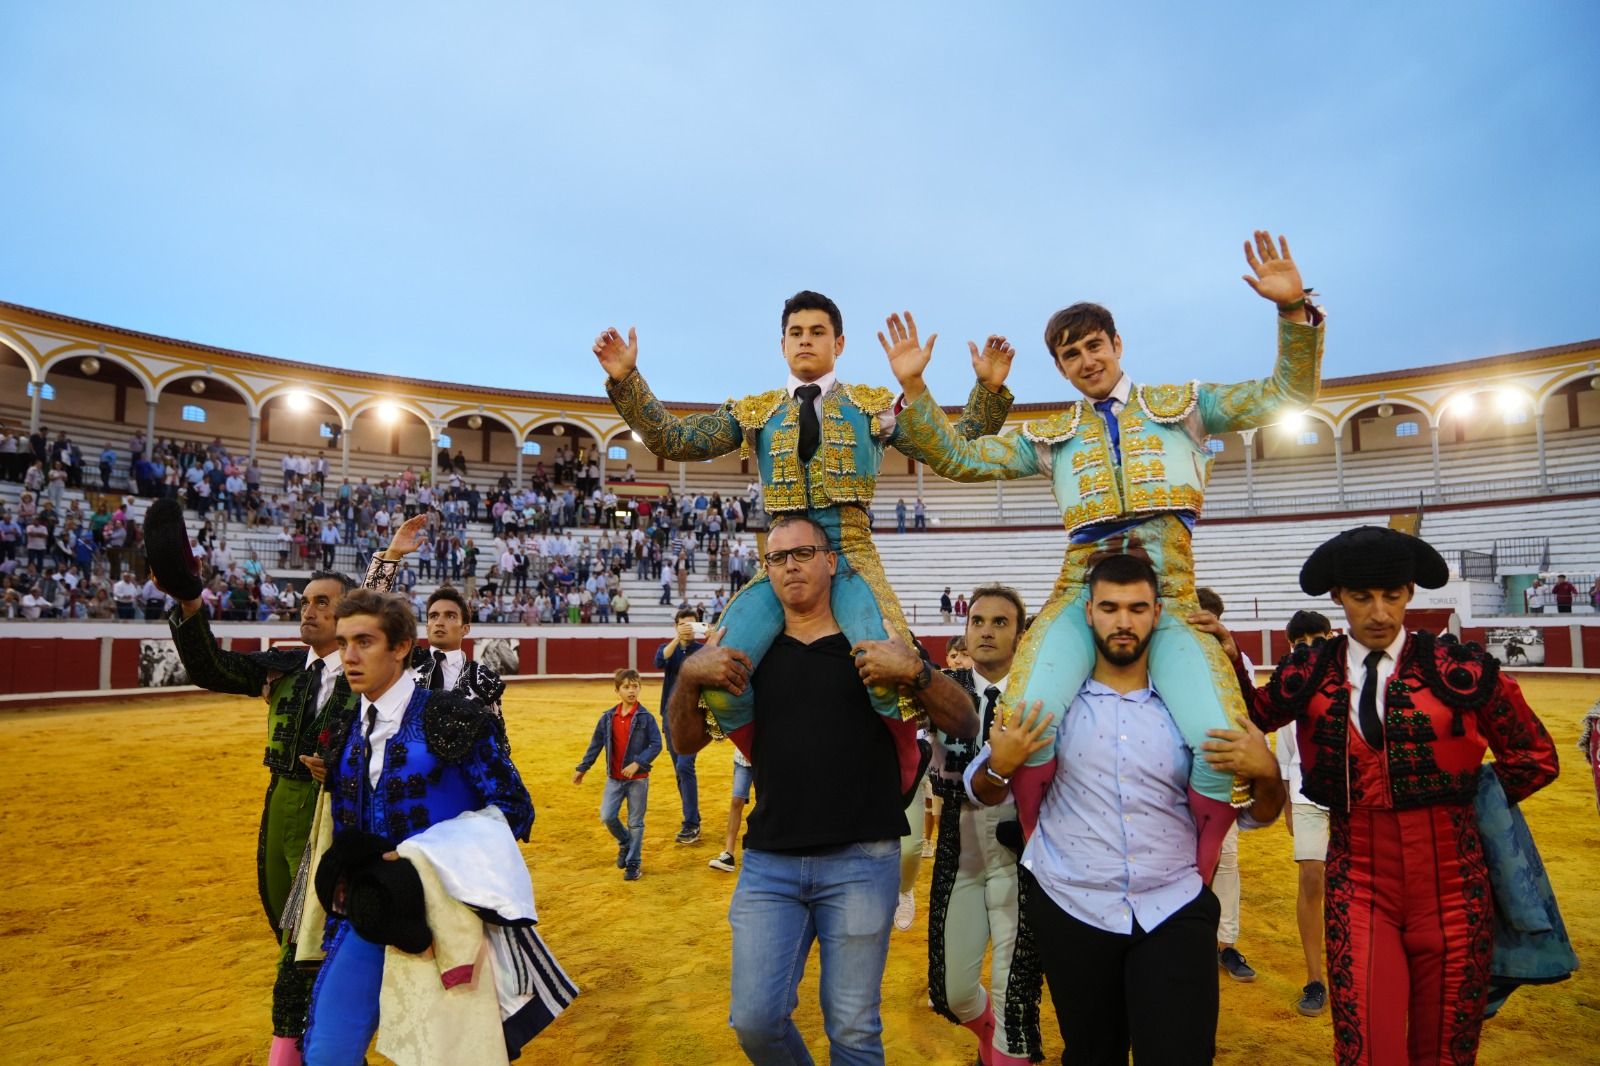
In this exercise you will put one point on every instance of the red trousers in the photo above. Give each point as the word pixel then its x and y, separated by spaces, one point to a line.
pixel 1409 935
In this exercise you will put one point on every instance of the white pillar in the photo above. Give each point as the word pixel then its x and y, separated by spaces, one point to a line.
pixel 33 405
pixel 1249 436
pixel 255 435
pixel 1438 482
pixel 683 478
pixel 344 451
pixel 433 456
pixel 1338 463
pixel 1538 433
pixel 519 464
pixel 149 427
pixel 919 479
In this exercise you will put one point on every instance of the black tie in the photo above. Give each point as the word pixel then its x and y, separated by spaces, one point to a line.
pixel 1371 723
pixel 810 428
pixel 314 689
pixel 436 680
pixel 372 720
pixel 990 695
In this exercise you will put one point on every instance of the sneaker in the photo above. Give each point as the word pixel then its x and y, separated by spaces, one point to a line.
pixel 622 857
pixel 927 848
pixel 905 912
pixel 1230 959
pixel 688 836
pixel 633 873
pixel 723 862
pixel 1313 1000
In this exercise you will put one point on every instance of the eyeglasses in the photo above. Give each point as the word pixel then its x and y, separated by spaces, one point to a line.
pixel 803 554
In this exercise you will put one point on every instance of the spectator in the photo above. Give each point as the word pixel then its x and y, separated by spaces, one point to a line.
pixel 946 608
pixel 1563 592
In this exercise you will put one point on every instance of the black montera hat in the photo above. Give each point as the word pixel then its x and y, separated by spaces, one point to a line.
pixel 1372 557
pixel 166 549
pixel 382 898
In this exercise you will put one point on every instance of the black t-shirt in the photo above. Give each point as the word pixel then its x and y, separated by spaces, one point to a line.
pixel 826 773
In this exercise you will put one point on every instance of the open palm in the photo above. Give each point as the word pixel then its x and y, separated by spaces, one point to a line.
pixel 1276 277
pixel 908 357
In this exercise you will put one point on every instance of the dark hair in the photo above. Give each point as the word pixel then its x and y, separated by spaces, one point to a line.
pixel 956 643
pixel 806 300
pixel 394 614
pixel 624 674
pixel 1076 322
pixel 683 612
pixel 800 519
pixel 1001 592
pixel 344 580
pixel 448 592
pixel 1308 624
pixel 1209 601
pixel 1124 570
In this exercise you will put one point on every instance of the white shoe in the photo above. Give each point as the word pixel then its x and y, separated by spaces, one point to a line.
pixel 905 912
pixel 927 848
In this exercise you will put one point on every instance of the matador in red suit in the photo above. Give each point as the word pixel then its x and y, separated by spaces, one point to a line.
pixel 1392 728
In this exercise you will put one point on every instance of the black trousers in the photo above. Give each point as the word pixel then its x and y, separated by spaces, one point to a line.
pixel 1151 991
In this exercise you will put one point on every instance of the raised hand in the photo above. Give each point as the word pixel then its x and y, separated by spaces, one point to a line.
pixel 408 538
pixel 993 363
pixel 908 357
pixel 617 357
pixel 1276 277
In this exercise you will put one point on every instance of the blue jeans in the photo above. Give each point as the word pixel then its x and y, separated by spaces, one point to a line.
pixel 688 782
pixel 843 898
pixel 637 793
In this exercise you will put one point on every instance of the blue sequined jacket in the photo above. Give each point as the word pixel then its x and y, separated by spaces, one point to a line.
pixel 446 758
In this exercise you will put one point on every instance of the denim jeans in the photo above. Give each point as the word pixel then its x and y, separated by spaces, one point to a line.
pixel 637 794
pixel 844 899
pixel 688 783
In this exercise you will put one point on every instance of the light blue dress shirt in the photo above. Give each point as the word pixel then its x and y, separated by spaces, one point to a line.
pixel 1115 840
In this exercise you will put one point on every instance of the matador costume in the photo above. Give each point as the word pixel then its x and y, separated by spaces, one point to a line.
pixel 834 487
pixel 1129 474
pixel 1410 912
pixel 295 722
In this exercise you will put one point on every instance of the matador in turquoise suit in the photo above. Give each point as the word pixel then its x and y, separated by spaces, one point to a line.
pixel 819 444
pixel 1128 465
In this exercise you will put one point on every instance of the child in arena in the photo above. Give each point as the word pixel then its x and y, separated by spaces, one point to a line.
pixel 632 740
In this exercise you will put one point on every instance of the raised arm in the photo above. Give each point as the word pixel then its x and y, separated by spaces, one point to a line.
pixel 210 667
pixel 386 564
pixel 1298 373
pixel 694 437
pixel 989 401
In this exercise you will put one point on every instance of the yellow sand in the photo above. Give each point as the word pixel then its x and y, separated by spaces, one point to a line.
pixel 132 932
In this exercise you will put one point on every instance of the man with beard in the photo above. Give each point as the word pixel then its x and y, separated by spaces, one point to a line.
pixel 305 691
pixel 1122 921
pixel 973 901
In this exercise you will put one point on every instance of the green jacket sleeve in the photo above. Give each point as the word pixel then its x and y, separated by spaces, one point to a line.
pixel 208 665
pixel 924 433
pixel 1294 381
pixel 691 438
pixel 985 411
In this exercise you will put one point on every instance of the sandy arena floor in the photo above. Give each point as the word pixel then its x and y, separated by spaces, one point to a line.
pixel 133 933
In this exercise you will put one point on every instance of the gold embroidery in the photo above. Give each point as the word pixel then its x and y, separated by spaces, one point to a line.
pixel 1141 445
pixel 872 399
pixel 1055 429
pixel 855 543
pixel 1168 403
pixel 1093 483
pixel 1139 470
pixel 754 411
pixel 1083 459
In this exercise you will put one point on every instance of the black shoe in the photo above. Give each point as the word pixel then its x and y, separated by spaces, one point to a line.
pixel 688 836
pixel 633 874
pixel 1313 1000
pixel 1230 959
pixel 622 857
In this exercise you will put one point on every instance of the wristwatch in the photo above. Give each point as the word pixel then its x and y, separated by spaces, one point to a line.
pixel 989 772
pixel 924 679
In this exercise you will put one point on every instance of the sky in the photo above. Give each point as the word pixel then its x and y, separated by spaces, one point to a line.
pixel 471 192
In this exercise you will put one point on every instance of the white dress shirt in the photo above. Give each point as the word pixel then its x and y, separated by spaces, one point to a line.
pixel 1356 675
pixel 454 663
pixel 825 382
pixel 391 709
pixel 332 667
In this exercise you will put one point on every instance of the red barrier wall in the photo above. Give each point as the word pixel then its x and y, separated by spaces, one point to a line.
pixel 584 655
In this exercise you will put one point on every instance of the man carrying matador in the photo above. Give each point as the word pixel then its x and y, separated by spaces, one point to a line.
pixel 1128 465
pixel 819 443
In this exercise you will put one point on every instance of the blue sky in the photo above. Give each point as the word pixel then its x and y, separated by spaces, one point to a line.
pixel 471 192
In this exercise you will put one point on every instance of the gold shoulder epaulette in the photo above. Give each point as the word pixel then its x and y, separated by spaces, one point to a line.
pixel 872 399
pixel 1168 403
pixel 1056 428
pixel 753 411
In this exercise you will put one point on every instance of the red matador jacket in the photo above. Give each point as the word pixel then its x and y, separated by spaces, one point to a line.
pixel 1445 704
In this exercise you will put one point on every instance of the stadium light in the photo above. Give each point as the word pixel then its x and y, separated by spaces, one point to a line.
pixel 1294 421
pixel 1509 400
pixel 299 401
pixel 388 412
pixel 1463 405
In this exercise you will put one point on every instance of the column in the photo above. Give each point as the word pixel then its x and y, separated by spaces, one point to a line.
pixel 683 478
pixel 433 455
pixel 255 435
pixel 1538 433
pixel 1438 482
pixel 919 479
pixel 149 427
pixel 1000 500
pixel 344 452
pixel 1249 436
pixel 33 406
pixel 1338 463
pixel 519 464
